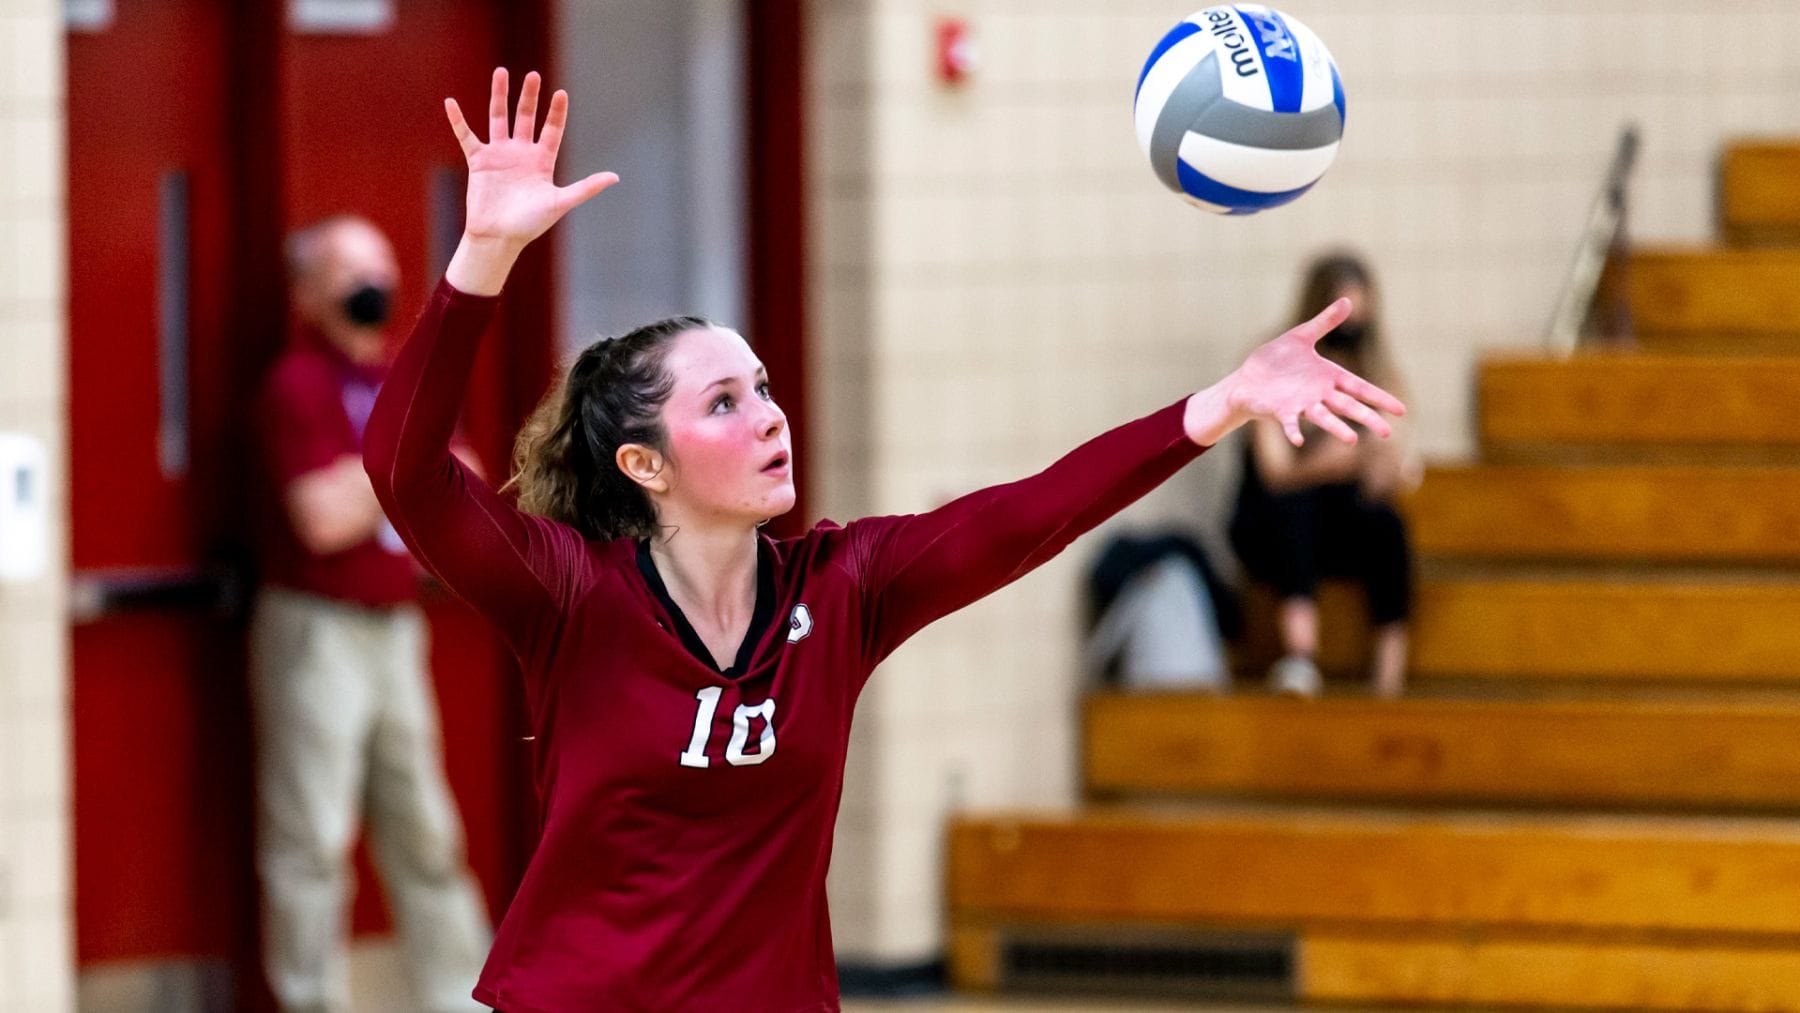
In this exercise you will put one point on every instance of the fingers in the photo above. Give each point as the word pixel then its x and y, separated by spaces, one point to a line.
pixel 554 123
pixel 1290 425
pixel 460 127
pixel 1325 322
pixel 1350 408
pixel 525 119
pixel 497 129
pixel 1321 416
pixel 578 193
pixel 1368 393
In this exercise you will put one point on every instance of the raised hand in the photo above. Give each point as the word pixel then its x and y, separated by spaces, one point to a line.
pixel 512 195
pixel 1287 380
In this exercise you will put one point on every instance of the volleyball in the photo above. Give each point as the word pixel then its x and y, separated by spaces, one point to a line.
pixel 1239 109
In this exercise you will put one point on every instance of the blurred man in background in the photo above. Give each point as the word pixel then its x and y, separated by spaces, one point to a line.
pixel 343 706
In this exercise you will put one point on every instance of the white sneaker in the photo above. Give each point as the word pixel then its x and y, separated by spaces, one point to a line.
pixel 1295 676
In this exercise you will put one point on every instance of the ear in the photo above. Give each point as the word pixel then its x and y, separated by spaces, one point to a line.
pixel 644 466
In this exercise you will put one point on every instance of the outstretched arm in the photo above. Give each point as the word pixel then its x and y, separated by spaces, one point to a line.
pixel 519 570
pixel 917 568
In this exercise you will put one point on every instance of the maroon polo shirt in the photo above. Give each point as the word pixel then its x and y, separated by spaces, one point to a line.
pixel 311 412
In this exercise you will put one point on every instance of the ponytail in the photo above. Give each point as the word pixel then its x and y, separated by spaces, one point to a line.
pixel 565 458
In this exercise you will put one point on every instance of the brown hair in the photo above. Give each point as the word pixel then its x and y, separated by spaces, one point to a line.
pixel 1329 275
pixel 565 459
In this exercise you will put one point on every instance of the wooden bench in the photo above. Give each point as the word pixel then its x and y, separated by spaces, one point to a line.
pixel 1639 401
pixel 1759 184
pixel 1507 970
pixel 1288 867
pixel 1378 906
pixel 1716 290
pixel 1603 752
pixel 1618 628
pixel 1667 513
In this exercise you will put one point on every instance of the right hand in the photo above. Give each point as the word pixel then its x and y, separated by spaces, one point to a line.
pixel 1287 380
pixel 513 197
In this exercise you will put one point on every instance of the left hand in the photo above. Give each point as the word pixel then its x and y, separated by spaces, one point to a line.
pixel 512 193
pixel 1287 380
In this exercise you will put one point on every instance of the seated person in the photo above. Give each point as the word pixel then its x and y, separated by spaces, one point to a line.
pixel 1325 509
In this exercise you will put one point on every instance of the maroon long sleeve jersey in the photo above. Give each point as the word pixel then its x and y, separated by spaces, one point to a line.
pixel 688 811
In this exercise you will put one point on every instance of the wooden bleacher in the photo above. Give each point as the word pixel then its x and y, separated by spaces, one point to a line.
pixel 1539 627
pixel 1667 752
pixel 1721 290
pixel 1587 798
pixel 1740 514
pixel 1758 199
pixel 1537 408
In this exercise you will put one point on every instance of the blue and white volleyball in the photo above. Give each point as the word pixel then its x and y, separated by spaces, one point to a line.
pixel 1239 109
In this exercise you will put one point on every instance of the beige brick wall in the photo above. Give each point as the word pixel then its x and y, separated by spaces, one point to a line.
pixel 999 276
pixel 36 914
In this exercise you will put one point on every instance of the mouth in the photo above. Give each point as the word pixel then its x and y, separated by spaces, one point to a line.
pixel 776 464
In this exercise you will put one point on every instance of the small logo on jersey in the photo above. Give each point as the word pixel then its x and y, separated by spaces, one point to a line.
pixel 799 624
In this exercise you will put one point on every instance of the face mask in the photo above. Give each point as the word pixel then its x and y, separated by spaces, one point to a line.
pixel 1348 337
pixel 367 306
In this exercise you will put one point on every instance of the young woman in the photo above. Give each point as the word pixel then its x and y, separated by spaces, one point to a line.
pixel 689 681
pixel 1327 509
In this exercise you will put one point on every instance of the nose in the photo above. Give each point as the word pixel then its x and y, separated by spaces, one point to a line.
pixel 774 421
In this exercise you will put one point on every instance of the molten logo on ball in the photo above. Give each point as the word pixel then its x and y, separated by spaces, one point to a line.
pixel 1239 108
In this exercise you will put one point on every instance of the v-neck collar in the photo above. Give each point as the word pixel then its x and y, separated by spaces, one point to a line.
pixel 760 617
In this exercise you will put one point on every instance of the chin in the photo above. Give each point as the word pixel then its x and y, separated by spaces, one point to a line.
pixel 771 504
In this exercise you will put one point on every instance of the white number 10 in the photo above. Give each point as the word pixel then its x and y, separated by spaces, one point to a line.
pixel 740 731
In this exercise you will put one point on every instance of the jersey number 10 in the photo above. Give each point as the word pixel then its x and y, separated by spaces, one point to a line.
pixel 740 731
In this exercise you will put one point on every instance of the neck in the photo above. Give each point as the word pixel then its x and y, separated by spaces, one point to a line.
pixel 361 345
pixel 709 570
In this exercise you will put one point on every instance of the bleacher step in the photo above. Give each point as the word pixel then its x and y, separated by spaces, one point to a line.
pixel 1645 513
pixel 1719 290
pixel 1532 629
pixel 1709 754
pixel 1286 867
pixel 1640 401
pixel 1759 184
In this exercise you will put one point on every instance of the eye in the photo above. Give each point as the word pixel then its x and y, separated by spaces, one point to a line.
pixel 763 389
pixel 724 401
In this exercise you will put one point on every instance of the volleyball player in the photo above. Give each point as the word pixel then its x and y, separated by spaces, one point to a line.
pixel 690 681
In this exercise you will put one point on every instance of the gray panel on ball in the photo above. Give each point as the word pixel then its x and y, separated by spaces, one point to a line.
pixel 1240 124
pixel 1191 97
pixel 1198 103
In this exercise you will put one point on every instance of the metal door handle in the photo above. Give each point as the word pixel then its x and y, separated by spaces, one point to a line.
pixel 96 594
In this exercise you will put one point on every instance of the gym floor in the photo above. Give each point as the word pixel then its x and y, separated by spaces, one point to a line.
pixel 378 985
pixel 379 988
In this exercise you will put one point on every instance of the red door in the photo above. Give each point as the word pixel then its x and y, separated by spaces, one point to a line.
pixel 160 736
pixel 199 132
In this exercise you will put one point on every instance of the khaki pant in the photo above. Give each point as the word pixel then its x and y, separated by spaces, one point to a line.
pixel 345 718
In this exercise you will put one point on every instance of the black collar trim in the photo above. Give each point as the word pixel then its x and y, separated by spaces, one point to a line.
pixel 760 619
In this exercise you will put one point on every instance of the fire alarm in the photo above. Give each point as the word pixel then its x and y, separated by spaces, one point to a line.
pixel 955 50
